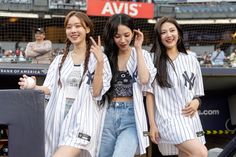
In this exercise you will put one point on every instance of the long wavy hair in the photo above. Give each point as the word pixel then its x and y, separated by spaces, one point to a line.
pixel 110 47
pixel 86 22
pixel 160 51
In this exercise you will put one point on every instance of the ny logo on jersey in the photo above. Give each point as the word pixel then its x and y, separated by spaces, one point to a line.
pixel 135 75
pixel 90 77
pixel 189 80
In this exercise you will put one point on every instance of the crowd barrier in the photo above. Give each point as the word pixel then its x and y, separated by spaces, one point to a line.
pixel 23 112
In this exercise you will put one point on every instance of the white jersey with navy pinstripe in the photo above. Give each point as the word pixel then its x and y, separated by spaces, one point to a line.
pixel 138 89
pixel 78 127
pixel 186 81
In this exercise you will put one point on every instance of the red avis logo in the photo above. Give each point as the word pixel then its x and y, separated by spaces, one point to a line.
pixel 117 8
pixel 109 8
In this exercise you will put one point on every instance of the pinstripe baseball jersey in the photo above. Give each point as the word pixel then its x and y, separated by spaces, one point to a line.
pixel 138 89
pixel 79 127
pixel 186 81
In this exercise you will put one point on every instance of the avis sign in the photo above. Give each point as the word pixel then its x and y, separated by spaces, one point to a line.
pixel 108 8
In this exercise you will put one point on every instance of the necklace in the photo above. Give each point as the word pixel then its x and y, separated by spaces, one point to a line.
pixel 77 58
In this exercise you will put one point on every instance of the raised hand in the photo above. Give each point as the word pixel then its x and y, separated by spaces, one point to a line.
pixel 96 49
pixel 26 82
pixel 138 38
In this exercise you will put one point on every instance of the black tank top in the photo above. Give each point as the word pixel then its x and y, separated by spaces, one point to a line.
pixel 122 85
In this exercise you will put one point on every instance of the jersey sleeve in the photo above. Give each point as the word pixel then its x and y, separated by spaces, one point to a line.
pixel 52 73
pixel 107 75
pixel 198 88
pixel 152 72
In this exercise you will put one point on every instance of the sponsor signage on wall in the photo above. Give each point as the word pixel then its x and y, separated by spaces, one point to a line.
pixel 20 69
pixel 214 114
pixel 200 1
pixel 109 8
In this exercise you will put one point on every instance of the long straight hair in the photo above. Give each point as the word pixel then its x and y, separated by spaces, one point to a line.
pixel 161 57
pixel 110 47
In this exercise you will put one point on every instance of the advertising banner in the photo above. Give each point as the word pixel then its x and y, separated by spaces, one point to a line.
pixel 20 69
pixel 200 1
pixel 108 8
pixel 215 115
